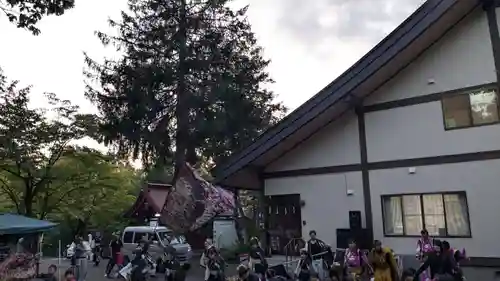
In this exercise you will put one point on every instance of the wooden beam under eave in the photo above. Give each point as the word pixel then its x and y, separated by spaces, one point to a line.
pixel 247 178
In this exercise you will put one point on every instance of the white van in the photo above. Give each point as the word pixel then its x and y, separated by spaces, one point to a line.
pixel 132 235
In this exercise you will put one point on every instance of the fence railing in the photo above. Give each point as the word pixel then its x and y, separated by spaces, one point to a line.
pixel 291 248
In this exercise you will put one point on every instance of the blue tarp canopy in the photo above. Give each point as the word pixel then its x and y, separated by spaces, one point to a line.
pixel 17 224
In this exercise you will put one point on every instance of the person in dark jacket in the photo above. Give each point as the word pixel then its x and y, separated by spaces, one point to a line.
pixel 139 271
pixel 171 263
pixel 115 247
pixel 145 244
pixel 442 265
pixel 257 257
pixel 317 249
pixel 97 249
pixel 304 269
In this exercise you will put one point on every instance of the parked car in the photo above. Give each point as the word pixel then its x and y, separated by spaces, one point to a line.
pixel 132 235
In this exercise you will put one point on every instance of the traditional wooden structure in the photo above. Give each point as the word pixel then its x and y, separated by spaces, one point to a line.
pixel 151 200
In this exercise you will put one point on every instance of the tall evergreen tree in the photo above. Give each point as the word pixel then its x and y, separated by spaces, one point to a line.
pixel 190 86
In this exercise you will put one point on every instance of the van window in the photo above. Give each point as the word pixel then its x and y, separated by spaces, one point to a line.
pixel 176 239
pixel 138 237
pixel 127 237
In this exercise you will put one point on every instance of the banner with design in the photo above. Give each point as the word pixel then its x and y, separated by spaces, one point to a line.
pixel 194 201
pixel 18 266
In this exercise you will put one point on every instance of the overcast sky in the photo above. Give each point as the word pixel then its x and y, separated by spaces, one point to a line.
pixel 309 42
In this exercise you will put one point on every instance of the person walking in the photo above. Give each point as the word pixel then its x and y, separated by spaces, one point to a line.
pixel 96 248
pixel 115 248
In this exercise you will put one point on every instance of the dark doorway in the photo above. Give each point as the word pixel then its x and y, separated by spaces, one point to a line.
pixel 284 222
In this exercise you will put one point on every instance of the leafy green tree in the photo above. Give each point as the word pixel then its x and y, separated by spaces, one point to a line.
pixel 191 84
pixel 91 191
pixel 32 142
pixel 109 188
pixel 26 13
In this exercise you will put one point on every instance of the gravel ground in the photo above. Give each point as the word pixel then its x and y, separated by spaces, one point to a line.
pixel 196 273
pixel 97 273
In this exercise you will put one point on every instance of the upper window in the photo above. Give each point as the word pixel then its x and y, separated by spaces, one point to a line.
pixel 474 108
pixel 441 214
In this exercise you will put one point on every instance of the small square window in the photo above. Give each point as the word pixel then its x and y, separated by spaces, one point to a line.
pixel 456 111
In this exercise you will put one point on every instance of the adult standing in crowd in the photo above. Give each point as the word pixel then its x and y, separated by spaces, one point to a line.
pixel 316 249
pixel 79 260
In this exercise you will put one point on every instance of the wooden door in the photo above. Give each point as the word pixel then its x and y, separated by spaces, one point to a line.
pixel 284 221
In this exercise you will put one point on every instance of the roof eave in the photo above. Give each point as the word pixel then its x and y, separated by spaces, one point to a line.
pixel 380 55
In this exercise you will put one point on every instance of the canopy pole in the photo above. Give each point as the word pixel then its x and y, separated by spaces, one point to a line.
pixel 59 253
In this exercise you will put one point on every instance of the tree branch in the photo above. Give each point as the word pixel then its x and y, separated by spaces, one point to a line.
pixel 61 198
pixel 54 157
pixel 5 187
pixel 16 174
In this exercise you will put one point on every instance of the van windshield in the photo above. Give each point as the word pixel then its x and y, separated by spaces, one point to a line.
pixel 176 239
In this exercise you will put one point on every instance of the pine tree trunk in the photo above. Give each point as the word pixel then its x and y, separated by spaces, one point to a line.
pixel 182 107
pixel 191 156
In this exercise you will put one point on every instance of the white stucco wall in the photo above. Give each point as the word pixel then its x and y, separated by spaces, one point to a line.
pixel 327 205
pixel 463 58
pixel 460 59
pixel 418 131
pixel 336 144
pixel 480 180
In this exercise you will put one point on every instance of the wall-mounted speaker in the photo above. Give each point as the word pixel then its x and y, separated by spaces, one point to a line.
pixel 355 220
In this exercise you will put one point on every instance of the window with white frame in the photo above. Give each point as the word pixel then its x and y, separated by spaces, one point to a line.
pixel 442 214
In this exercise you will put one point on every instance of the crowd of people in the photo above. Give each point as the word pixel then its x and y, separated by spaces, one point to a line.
pixel 438 262
pixel 136 268
pixel 82 251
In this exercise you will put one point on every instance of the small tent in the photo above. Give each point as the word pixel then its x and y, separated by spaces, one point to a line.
pixel 17 224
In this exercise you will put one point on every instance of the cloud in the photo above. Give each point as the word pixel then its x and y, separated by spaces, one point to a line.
pixel 358 20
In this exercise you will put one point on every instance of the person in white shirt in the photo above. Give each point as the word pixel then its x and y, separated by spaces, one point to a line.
pixel 80 250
